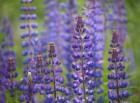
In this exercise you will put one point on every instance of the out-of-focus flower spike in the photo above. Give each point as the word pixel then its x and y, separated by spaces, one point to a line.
pixel 2 77
pixel 8 58
pixel 95 23
pixel 73 7
pixel 7 30
pixel 131 59
pixel 67 23
pixel 51 22
pixel 58 28
pixel 117 19
pixel 67 18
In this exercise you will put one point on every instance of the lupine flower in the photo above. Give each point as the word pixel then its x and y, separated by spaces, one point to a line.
pixel 131 58
pixel 29 36
pixel 117 18
pixel 41 72
pixel 55 81
pixel 8 58
pixel 117 77
pixel 67 26
pixel 67 17
pixel 73 6
pixel 2 70
pixel 53 30
pixel 8 33
pixel 40 65
pixel 2 78
pixel 120 10
pixel 30 42
pixel 95 22
pixel 52 22
pixel 57 28
pixel 2 96
pixel 83 83
pixel 11 74
pixel 29 89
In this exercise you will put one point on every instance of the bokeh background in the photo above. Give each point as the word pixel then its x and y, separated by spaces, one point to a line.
pixel 10 9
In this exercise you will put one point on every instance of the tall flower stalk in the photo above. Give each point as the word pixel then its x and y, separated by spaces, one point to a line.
pixel 95 23
pixel 30 34
pixel 56 92
pixel 82 76
pixel 29 43
pixel 67 18
pixel 70 12
pixel 117 78
pixel 58 21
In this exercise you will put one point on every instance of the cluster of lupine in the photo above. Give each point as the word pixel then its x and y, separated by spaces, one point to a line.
pixel 65 64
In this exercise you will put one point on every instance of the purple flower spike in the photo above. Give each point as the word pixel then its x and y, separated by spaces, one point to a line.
pixel 8 60
pixel 7 30
pixel 28 88
pixel 117 78
pixel 54 80
pixel 95 24
pixel 31 42
pixel 2 78
pixel 59 27
pixel 67 26
pixel 82 74
pixel 32 64
pixel 117 19
pixel 52 22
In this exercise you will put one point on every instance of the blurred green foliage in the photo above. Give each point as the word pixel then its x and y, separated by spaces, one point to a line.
pixel 10 8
